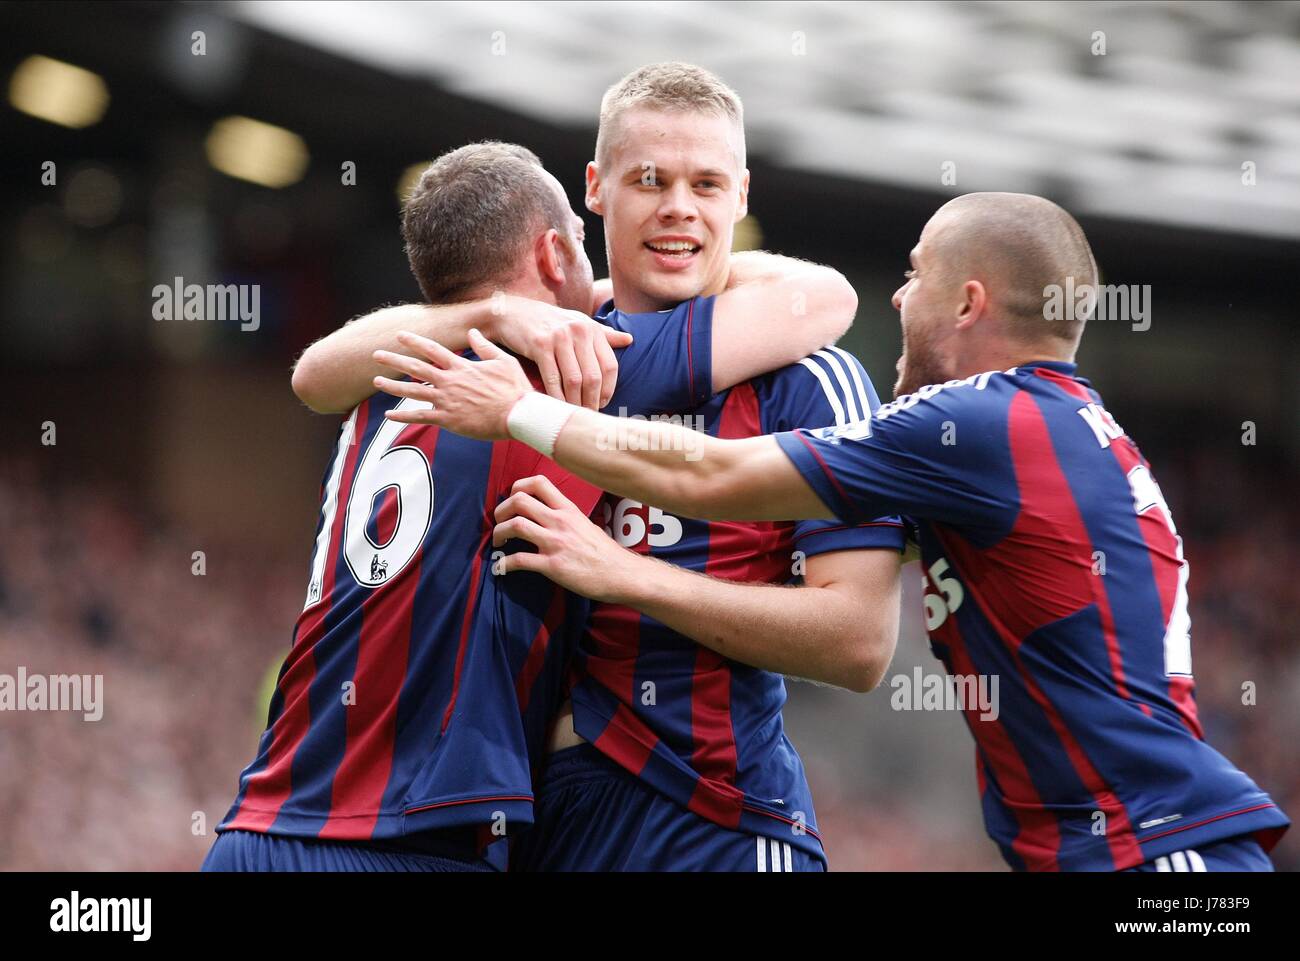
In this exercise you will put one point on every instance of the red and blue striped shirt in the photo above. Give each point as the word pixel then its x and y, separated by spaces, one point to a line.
pixel 1053 565
pixel 419 687
pixel 704 730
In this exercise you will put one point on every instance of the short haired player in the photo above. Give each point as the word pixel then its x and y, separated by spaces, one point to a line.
pixel 671 753
pixel 414 704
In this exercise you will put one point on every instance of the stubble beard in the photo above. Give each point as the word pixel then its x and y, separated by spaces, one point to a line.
pixel 921 365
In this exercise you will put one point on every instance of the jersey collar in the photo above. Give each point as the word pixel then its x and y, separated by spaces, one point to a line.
pixel 1060 366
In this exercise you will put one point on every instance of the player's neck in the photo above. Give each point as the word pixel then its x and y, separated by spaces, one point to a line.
pixel 531 288
pixel 629 299
pixel 1006 356
pixel 632 300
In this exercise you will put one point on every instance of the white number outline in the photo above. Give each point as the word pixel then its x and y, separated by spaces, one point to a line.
pixel 1178 632
pixel 355 536
pixel 953 595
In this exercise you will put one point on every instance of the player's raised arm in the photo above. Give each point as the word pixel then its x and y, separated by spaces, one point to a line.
pixel 333 375
pixel 680 470
pixel 775 311
pixel 573 353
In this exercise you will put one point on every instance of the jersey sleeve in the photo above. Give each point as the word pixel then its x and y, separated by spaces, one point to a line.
pixel 669 364
pixel 941 454
pixel 829 389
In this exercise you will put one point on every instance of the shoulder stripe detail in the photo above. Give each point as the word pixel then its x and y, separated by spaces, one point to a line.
pixel 855 368
pixel 831 396
pixel 837 369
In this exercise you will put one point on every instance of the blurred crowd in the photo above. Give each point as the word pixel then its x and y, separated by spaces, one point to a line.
pixel 92 583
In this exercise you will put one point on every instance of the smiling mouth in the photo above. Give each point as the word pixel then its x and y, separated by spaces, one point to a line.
pixel 677 249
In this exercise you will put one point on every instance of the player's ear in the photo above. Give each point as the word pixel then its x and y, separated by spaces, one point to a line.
pixel 973 301
pixel 743 209
pixel 593 189
pixel 550 263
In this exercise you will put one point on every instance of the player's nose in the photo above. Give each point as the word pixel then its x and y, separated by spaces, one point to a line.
pixel 897 299
pixel 677 203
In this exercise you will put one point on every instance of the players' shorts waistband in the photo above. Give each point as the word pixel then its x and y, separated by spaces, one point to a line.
pixel 582 762
pixel 461 844
pixel 237 849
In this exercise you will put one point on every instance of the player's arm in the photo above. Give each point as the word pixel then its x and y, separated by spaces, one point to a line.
pixel 573 353
pixel 678 469
pixel 683 471
pixel 903 465
pixel 775 311
pixel 839 628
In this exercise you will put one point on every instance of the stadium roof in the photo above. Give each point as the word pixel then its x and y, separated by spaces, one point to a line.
pixel 1017 95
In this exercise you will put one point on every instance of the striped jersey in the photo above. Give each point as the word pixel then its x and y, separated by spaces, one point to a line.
pixel 704 730
pixel 1051 564
pixel 418 688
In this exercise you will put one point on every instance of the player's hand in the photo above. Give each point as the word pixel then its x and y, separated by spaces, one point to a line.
pixel 573 353
pixel 571 550
pixel 472 398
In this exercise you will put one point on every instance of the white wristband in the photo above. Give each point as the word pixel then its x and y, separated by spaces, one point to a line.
pixel 537 419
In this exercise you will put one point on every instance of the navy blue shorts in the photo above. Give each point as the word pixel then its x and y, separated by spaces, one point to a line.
pixel 254 851
pixel 592 815
pixel 1242 853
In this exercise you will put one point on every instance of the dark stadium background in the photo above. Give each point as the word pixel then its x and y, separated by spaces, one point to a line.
pixel 175 436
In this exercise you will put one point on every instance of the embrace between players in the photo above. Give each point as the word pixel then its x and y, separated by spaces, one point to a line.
pixel 509 657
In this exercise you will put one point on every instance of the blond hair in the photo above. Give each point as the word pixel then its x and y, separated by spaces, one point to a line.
pixel 671 87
